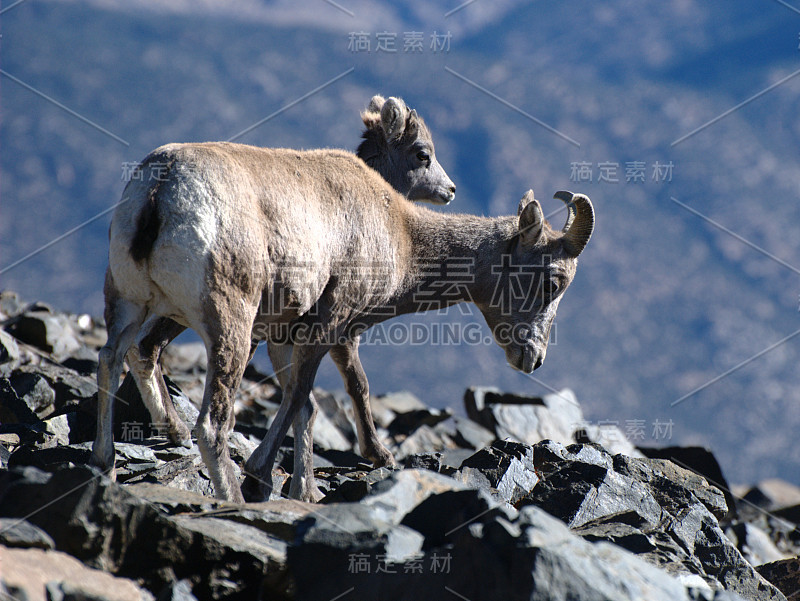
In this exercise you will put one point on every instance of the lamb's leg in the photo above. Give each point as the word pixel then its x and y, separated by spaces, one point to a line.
pixel 346 358
pixel 143 356
pixel 123 320
pixel 303 424
pixel 296 382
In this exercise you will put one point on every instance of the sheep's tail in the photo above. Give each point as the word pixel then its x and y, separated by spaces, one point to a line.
pixel 148 223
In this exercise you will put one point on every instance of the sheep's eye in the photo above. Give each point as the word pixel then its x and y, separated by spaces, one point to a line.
pixel 423 156
pixel 551 287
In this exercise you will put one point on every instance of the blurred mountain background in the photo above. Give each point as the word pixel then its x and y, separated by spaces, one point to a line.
pixel 694 268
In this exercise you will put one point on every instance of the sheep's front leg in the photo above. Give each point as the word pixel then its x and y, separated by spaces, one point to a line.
pixel 346 358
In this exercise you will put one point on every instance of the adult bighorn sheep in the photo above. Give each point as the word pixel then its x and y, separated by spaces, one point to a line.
pixel 234 228
pixel 398 145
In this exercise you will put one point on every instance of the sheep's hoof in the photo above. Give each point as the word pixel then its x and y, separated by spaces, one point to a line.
pixel 383 458
pixel 180 435
pixel 103 466
pixel 255 490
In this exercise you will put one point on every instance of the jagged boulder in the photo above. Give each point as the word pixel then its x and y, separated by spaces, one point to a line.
pixel 652 507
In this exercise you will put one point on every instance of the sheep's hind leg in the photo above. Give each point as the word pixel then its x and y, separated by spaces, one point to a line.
pixel 123 320
pixel 143 356
pixel 227 338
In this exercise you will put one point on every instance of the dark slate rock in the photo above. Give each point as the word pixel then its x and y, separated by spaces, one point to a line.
pixel 85 366
pixel 673 484
pixel 673 508
pixel 70 387
pixel 353 486
pixel 408 422
pixel 784 574
pixel 21 533
pixel 432 461
pixel 185 473
pixel 505 470
pixel 386 407
pixel 496 555
pixel 701 461
pixel 440 516
pixel 5 454
pixel 13 410
pixel 331 538
pixel 50 459
pixel 98 522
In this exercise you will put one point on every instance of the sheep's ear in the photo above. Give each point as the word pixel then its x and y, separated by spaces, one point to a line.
pixel 531 219
pixel 375 104
pixel 393 118
pixel 412 124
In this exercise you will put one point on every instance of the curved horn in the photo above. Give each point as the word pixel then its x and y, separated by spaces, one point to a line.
pixel 579 228
pixel 571 214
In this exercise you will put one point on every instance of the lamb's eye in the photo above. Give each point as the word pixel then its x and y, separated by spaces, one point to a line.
pixel 423 156
pixel 551 288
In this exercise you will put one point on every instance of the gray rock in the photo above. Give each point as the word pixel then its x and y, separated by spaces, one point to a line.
pixel 386 407
pixel 701 461
pixel 339 412
pixel 58 426
pixel 177 591
pixel 9 350
pixel 403 490
pixel 471 435
pixel 39 574
pixel 172 500
pixel 35 391
pixel 754 544
pixel 773 493
pixel 422 440
pixel 52 333
pixel 525 419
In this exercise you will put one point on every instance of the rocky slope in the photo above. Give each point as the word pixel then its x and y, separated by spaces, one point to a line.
pixel 521 499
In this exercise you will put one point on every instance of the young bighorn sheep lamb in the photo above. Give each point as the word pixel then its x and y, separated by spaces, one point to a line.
pixel 223 236
pixel 398 145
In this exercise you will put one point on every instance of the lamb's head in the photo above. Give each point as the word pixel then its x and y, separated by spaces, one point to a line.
pixel 399 146
pixel 532 278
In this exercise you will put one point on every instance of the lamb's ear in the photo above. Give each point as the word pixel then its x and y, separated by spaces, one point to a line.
pixel 531 219
pixel 393 118
pixel 412 124
pixel 376 104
